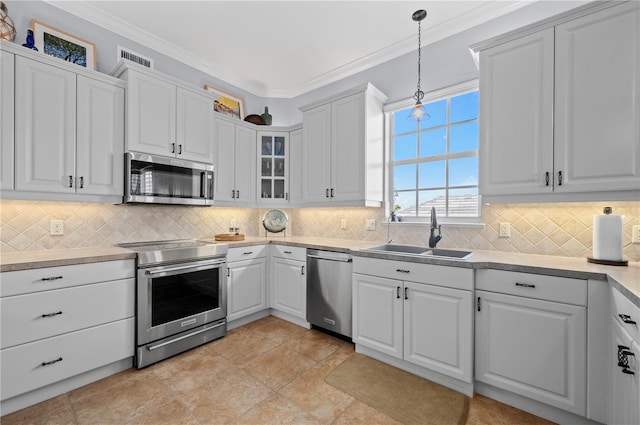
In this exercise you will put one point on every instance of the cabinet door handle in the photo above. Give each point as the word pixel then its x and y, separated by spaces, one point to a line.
pixel 233 194
pixel 332 192
pixel 525 285
pixel 326 193
pixel 179 149
pixel 52 314
pixel 559 178
pixel 628 371
pixel 81 182
pixel 627 319
pixel 546 178
pixel 403 271
pixel 406 293
pixel 478 304
pixel 623 356
pixel 228 272
pixel 302 270
pixel 52 278
pixel 237 194
pixel 173 148
pixel 59 359
pixel 397 292
pixel 70 181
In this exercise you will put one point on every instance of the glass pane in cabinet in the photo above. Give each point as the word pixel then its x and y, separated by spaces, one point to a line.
pixel 266 189
pixel 278 150
pixel 278 167
pixel 278 189
pixel 266 145
pixel 266 167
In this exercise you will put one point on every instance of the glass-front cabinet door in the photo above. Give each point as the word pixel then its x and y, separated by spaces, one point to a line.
pixel 273 175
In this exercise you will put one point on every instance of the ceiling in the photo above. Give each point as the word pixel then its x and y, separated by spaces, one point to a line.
pixel 285 48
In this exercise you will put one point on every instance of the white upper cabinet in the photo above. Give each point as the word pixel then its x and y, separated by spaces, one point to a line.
pixel 165 118
pixel 597 86
pixel 235 167
pixel 100 144
pixel 45 132
pixel 273 168
pixel 295 166
pixel 560 108
pixel 69 132
pixel 516 130
pixel 342 149
pixel 7 63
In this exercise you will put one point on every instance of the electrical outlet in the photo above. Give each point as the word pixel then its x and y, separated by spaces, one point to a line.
pixel 505 230
pixel 56 227
pixel 371 224
pixel 343 224
pixel 635 234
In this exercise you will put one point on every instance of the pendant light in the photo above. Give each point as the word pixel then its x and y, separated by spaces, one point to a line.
pixel 418 112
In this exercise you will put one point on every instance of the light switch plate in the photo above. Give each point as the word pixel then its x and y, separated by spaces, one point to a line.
pixel 635 234
pixel 343 224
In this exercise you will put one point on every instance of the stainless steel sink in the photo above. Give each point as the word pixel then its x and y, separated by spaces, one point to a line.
pixel 421 251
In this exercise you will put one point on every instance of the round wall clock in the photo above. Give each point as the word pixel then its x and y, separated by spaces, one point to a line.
pixel 275 221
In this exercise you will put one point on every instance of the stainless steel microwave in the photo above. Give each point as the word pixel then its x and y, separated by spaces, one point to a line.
pixel 152 179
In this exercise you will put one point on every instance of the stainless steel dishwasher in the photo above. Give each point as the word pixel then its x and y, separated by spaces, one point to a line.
pixel 329 290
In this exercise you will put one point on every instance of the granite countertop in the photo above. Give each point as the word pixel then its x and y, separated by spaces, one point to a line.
pixel 625 279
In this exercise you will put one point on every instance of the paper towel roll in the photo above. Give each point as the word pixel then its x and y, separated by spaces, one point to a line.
pixel 607 237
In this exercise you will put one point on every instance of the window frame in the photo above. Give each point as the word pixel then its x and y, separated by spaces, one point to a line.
pixel 433 96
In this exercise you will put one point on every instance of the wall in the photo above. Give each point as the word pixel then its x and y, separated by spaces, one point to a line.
pixel 563 229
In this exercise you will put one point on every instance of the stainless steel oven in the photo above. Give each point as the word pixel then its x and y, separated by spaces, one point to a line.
pixel 181 297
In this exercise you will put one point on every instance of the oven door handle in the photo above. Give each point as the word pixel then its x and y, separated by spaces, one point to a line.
pixel 180 338
pixel 194 267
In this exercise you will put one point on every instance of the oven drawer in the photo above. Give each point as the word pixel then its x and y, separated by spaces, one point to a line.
pixel 48 278
pixel 246 253
pixel 291 252
pixel 30 317
pixel 68 355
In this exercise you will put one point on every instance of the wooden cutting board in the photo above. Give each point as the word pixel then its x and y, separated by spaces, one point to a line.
pixel 229 237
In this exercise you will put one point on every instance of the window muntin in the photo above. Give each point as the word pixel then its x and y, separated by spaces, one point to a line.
pixel 434 162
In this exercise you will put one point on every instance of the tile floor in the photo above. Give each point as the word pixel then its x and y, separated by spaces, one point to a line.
pixel 267 372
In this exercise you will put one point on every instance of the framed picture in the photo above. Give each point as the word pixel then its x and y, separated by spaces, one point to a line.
pixel 62 45
pixel 227 103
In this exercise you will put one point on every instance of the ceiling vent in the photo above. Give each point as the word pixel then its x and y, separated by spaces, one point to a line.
pixel 134 57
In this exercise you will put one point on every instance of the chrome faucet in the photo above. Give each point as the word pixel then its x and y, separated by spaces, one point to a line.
pixel 433 239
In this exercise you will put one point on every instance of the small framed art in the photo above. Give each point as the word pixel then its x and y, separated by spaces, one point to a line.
pixel 227 103
pixel 62 45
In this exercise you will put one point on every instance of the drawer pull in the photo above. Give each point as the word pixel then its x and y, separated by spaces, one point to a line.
pixel 247 253
pixel 525 285
pixel 623 357
pixel 627 319
pixel 403 271
pixel 52 314
pixel 52 278
pixel 288 252
pixel 59 359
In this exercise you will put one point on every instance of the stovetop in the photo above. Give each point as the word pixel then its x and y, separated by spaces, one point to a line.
pixel 153 253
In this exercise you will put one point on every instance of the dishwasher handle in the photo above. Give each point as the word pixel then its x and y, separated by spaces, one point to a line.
pixel 320 257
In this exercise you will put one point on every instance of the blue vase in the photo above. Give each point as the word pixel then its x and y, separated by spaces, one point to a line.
pixel 30 42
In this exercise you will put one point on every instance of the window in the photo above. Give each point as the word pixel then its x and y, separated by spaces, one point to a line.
pixel 434 162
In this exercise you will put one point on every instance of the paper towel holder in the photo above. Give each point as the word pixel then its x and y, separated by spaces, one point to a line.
pixel 607 211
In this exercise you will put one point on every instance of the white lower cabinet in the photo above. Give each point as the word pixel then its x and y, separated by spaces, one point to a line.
pixel 528 345
pixel 59 322
pixel 247 281
pixel 624 362
pixel 425 324
pixel 289 281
